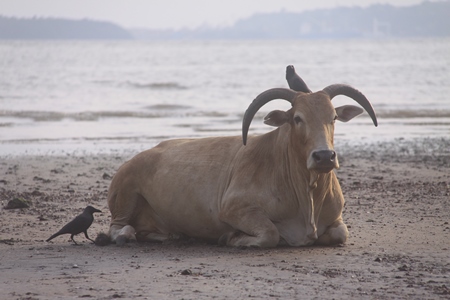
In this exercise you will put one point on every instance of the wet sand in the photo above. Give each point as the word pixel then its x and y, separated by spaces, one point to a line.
pixel 397 209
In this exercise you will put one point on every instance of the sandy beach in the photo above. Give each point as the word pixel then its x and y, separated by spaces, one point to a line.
pixel 397 210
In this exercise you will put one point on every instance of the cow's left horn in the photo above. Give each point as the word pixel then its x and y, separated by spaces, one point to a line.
pixel 260 100
pixel 346 90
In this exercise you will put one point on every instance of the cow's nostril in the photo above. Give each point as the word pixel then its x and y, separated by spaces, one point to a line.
pixel 333 155
pixel 316 156
pixel 324 156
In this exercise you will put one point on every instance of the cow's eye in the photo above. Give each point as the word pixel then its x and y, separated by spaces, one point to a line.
pixel 297 119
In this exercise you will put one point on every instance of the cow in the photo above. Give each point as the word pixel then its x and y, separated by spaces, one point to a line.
pixel 278 188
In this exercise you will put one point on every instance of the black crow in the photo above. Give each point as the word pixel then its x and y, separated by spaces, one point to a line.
pixel 295 82
pixel 80 224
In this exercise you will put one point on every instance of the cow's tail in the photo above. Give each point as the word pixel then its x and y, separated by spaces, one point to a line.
pixel 102 239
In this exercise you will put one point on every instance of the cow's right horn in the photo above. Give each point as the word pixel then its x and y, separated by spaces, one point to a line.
pixel 349 91
pixel 260 101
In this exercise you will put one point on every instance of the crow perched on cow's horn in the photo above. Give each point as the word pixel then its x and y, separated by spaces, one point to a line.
pixel 295 82
pixel 80 224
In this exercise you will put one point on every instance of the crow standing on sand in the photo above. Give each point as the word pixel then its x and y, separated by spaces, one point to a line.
pixel 295 82
pixel 80 224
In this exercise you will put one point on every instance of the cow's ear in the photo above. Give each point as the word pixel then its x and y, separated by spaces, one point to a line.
pixel 276 118
pixel 347 112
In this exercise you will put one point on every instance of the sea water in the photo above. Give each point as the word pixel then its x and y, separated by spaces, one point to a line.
pixel 106 96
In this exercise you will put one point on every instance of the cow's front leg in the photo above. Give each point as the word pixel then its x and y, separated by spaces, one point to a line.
pixel 336 233
pixel 122 234
pixel 251 229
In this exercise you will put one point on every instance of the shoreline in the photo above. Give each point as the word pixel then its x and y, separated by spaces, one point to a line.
pixel 92 148
pixel 397 207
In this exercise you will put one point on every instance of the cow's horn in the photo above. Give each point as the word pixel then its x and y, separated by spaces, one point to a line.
pixel 260 100
pixel 346 90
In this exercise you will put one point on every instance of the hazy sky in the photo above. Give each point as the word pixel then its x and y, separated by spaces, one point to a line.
pixel 169 13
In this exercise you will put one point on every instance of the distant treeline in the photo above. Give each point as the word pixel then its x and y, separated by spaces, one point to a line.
pixel 52 28
pixel 428 19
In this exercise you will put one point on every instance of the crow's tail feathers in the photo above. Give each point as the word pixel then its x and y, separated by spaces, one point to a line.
pixel 53 236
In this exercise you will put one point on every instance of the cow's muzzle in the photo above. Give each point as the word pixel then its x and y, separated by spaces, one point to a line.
pixel 324 160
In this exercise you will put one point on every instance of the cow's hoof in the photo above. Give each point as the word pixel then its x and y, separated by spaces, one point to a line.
pixel 223 240
pixel 121 240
